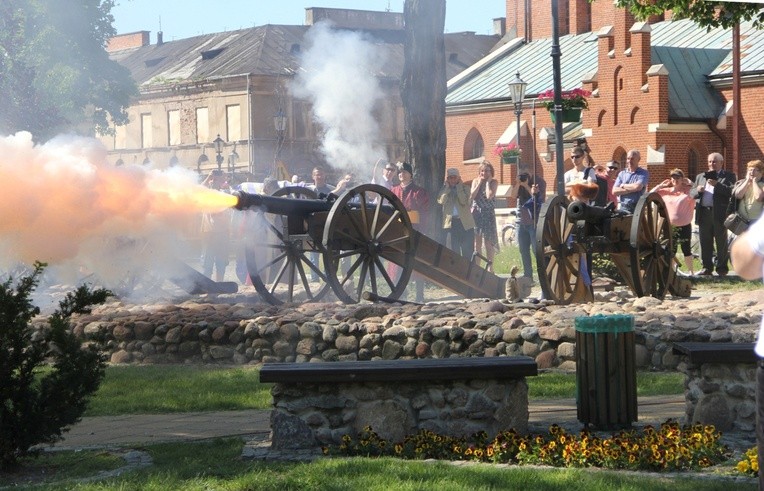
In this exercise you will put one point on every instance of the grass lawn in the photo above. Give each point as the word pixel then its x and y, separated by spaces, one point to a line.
pixel 217 464
pixel 156 389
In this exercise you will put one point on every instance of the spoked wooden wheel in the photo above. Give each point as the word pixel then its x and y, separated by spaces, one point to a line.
pixel 651 251
pixel 282 259
pixel 558 259
pixel 368 241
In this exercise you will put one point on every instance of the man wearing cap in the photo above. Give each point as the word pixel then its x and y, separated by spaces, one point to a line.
pixel 454 198
pixel 631 182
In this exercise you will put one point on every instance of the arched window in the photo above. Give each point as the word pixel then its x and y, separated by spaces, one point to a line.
pixel 619 155
pixel 474 146
pixel 692 163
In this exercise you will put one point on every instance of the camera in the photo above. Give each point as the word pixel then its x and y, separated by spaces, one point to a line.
pixel 711 175
pixel 523 177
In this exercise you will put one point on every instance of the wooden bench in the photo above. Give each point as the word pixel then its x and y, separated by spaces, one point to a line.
pixel 720 384
pixel 699 353
pixel 317 404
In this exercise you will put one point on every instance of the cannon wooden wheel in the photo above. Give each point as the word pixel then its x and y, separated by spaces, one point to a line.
pixel 651 253
pixel 558 259
pixel 278 254
pixel 368 244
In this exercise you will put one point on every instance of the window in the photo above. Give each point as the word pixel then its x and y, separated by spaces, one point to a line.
pixel 478 148
pixel 233 123
pixel 202 125
pixel 301 120
pixel 692 164
pixel 120 136
pixel 173 127
pixel 147 136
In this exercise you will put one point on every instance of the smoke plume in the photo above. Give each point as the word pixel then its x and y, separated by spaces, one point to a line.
pixel 339 77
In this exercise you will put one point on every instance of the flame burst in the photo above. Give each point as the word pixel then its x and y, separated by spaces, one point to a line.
pixel 63 195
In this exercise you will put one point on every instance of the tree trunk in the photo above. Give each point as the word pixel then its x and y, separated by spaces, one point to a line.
pixel 423 91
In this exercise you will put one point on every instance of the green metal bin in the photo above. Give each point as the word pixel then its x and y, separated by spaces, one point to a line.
pixel 606 376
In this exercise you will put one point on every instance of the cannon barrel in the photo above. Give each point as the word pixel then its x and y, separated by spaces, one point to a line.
pixel 280 206
pixel 578 210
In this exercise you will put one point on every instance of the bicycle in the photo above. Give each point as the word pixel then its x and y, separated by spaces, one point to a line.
pixel 509 232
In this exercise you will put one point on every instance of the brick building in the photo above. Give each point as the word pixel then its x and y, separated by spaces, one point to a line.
pixel 662 86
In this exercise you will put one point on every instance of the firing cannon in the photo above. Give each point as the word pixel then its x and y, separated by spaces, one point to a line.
pixel 640 246
pixel 360 244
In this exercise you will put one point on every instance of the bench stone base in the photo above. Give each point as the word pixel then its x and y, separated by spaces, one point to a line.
pixel 311 415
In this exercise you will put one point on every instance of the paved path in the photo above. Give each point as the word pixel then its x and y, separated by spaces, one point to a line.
pixel 153 428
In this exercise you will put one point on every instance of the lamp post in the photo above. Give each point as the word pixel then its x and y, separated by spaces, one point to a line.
pixel 517 93
pixel 280 125
pixel 218 142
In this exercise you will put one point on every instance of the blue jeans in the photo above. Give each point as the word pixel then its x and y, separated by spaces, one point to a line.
pixel 526 237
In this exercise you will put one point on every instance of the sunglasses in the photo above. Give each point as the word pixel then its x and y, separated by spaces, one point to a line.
pixel 613 168
pixel 576 156
pixel 390 169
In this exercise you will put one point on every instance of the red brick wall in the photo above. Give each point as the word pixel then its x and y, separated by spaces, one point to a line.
pixel 130 40
pixel 619 118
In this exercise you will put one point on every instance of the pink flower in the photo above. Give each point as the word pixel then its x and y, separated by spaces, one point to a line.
pixel 571 99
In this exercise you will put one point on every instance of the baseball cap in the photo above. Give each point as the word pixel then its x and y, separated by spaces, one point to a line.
pixel 405 166
pixel 452 172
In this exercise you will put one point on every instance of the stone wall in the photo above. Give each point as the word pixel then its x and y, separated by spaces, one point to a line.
pixel 723 395
pixel 310 415
pixel 228 330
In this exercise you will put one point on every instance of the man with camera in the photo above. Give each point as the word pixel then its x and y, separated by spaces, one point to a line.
pixel 530 192
pixel 712 191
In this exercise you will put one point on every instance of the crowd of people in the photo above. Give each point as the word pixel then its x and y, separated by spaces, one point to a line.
pixel 468 217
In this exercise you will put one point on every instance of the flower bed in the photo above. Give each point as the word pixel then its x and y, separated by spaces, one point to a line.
pixel 668 448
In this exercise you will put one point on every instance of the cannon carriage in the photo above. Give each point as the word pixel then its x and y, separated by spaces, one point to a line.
pixel 640 245
pixel 361 244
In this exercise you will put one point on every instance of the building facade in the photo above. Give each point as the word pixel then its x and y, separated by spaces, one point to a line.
pixel 235 86
pixel 663 87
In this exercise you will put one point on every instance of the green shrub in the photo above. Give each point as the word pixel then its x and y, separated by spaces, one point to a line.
pixel 46 375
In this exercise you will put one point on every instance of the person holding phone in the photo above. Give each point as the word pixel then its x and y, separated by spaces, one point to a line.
pixel 712 191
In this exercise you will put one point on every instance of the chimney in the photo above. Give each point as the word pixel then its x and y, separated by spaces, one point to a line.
pixel 126 41
pixel 160 38
pixel 500 26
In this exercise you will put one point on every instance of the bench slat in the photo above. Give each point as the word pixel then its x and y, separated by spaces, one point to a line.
pixel 730 353
pixel 500 367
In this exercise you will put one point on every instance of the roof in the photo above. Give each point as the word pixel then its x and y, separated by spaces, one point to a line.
pixel 692 55
pixel 272 50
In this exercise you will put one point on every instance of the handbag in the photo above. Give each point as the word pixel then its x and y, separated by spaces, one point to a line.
pixel 736 224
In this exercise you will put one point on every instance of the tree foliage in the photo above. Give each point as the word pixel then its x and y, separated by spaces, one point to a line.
pixel 55 74
pixel 46 375
pixel 703 13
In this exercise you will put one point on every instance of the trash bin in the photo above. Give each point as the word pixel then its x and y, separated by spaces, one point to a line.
pixel 606 377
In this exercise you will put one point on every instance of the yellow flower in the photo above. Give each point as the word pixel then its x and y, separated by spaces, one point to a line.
pixel 743 466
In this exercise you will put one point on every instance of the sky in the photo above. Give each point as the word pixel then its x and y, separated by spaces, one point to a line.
pixel 187 18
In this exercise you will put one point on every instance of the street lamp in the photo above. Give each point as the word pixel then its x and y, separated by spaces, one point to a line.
pixel 517 93
pixel 218 142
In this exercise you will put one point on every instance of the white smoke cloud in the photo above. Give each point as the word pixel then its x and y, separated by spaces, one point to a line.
pixel 339 78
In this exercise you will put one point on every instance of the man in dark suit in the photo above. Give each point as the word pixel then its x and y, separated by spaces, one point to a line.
pixel 712 192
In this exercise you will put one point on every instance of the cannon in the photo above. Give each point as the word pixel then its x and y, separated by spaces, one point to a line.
pixel 361 244
pixel 640 245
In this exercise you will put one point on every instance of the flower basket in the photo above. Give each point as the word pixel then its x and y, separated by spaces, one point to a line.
pixel 508 152
pixel 568 115
pixel 573 102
